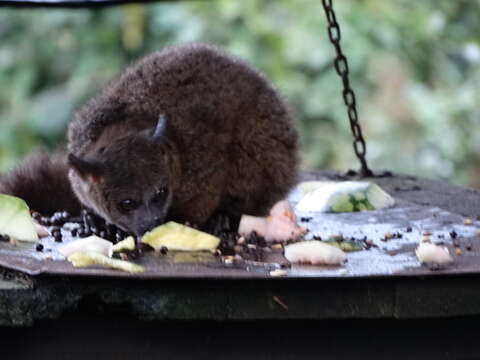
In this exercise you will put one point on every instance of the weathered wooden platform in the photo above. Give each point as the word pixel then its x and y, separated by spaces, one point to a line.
pixel 381 283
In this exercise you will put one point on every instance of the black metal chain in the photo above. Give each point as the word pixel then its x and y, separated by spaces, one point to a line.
pixel 341 66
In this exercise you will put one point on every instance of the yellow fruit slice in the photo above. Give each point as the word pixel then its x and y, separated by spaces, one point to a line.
pixel 127 244
pixel 176 236
pixel 83 259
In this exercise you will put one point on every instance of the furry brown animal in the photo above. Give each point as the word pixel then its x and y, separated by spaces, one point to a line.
pixel 41 179
pixel 185 133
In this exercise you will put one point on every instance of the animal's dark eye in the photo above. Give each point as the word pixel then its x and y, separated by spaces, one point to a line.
pixel 128 205
pixel 160 194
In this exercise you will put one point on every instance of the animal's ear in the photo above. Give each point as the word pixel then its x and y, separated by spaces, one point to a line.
pixel 161 128
pixel 88 170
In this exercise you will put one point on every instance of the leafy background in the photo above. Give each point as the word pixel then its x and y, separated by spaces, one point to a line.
pixel 415 66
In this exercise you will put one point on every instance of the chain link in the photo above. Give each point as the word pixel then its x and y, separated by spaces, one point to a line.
pixel 341 67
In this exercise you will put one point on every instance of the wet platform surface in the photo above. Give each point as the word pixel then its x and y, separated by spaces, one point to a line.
pixel 386 281
pixel 417 211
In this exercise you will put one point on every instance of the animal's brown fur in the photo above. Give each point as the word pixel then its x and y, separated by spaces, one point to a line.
pixel 41 179
pixel 229 144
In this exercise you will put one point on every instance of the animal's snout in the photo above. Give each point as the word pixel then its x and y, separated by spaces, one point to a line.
pixel 147 226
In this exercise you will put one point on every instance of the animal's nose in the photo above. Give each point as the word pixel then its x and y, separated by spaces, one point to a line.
pixel 158 220
pixel 149 226
pixel 140 231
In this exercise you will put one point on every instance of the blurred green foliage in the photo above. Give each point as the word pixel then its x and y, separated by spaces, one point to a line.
pixel 415 66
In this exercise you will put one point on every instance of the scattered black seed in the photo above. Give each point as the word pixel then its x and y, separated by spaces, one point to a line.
pixel 132 254
pixel 143 247
pixel 226 224
pixel 368 243
pixel 58 237
pixel 453 234
pixel 56 220
pixel 91 221
pixel 306 219
pixel 164 250
pixel 441 236
pixel 55 230
pixel 88 223
pixel 409 229
pixel 468 247
pixel 111 230
pixel 39 247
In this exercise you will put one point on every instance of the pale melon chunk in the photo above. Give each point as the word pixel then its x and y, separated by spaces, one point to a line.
pixel 15 219
pixel 84 259
pixel 127 244
pixel 314 252
pixel 91 244
pixel 176 236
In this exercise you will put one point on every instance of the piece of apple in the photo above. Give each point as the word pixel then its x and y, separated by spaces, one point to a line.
pixel 280 225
